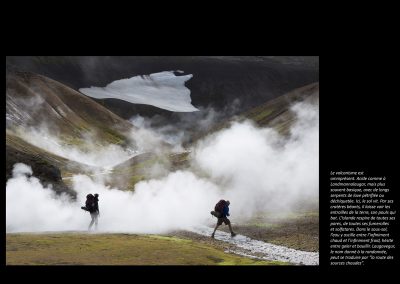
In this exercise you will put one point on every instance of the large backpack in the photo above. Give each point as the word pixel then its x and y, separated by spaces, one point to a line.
pixel 90 204
pixel 219 207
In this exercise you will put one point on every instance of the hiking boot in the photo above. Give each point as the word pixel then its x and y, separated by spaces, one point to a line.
pixel 233 234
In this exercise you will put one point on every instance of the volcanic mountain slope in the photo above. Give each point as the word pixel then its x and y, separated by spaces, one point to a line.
pixel 217 80
pixel 35 103
pixel 33 100
pixel 274 113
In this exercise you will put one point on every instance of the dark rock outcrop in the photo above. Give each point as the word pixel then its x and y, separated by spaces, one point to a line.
pixel 47 173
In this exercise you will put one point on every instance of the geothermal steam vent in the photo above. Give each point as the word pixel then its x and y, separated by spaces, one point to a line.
pixel 163 90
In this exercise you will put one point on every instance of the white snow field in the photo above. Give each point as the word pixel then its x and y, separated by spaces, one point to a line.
pixel 163 90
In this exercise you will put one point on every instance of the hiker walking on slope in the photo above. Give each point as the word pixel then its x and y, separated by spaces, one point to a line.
pixel 221 212
pixel 92 206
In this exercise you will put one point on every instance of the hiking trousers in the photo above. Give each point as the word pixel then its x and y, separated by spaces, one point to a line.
pixel 95 217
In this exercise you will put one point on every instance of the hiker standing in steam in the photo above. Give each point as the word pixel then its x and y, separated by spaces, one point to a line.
pixel 221 212
pixel 92 206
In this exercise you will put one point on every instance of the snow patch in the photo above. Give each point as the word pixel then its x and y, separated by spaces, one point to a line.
pixel 163 90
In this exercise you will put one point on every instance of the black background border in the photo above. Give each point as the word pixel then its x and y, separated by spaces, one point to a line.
pixel 357 119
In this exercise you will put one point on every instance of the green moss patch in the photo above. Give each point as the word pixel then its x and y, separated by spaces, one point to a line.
pixel 116 249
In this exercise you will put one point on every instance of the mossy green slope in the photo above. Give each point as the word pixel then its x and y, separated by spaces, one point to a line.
pixel 127 174
pixel 273 113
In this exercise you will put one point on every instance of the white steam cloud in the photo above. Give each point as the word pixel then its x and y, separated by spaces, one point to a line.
pixel 90 154
pixel 154 131
pixel 179 201
pixel 255 168
pixel 163 90
pixel 31 207
pixel 260 170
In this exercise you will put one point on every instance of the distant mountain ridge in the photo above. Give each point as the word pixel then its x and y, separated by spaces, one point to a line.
pixel 217 80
